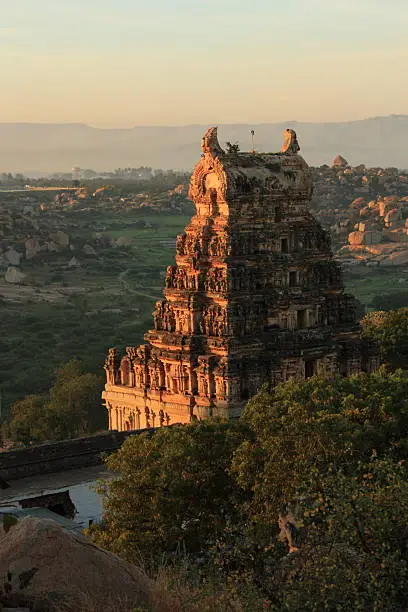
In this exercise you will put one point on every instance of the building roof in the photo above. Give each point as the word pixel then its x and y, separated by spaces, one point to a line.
pixel 43 513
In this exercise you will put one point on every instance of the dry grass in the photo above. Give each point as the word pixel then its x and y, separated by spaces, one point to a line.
pixel 171 592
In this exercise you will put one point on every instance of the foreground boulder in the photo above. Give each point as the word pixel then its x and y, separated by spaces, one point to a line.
pixel 41 561
pixel 14 275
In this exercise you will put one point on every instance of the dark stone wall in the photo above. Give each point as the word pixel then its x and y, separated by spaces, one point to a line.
pixel 60 456
pixel 60 503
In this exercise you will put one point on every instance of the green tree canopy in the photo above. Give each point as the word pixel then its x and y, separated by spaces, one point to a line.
pixel 174 489
pixel 325 457
pixel 29 421
pixel 71 408
pixel 390 330
pixel 390 301
pixel 320 423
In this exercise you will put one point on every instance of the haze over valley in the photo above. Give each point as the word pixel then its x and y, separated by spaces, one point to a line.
pixel 44 148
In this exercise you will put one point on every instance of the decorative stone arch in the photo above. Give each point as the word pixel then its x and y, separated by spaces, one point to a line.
pixel 126 372
pixel 209 183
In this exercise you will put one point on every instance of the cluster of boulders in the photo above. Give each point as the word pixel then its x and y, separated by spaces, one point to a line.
pixel 365 210
pixel 11 255
pixel 380 234
pixel 173 201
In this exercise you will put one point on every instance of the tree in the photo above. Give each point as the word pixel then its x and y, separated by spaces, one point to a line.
pixel 174 490
pixel 75 402
pixel 321 424
pixel 329 454
pixel 29 421
pixel 390 330
pixel 326 455
pixel 353 548
pixel 71 408
pixel 390 301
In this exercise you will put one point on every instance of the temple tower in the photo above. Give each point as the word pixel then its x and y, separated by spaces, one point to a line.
pixel 254 296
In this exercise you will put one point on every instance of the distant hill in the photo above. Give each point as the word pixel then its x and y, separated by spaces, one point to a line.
pixel 31 147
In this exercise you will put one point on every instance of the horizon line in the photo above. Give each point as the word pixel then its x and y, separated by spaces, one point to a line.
pixel 187 125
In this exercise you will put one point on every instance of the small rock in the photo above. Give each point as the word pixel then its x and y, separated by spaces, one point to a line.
pixel 51 247
pixel 13 257
pixel 74 263
pixel 13 275
pixel 339 162
pixel 32 247
pixel 122 241
pixel 60 238
pixel 88 249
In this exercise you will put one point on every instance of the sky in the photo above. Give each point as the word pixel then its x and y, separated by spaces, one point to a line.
pixel 119 63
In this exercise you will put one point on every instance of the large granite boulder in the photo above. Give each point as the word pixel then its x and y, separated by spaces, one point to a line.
pixel 67 571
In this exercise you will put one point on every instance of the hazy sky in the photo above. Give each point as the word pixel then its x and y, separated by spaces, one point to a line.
pixel 126 62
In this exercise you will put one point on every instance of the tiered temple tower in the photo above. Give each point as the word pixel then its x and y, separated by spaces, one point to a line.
pixel 254 296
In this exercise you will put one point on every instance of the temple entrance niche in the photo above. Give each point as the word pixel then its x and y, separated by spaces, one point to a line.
pixel 302 318
pixel 310 368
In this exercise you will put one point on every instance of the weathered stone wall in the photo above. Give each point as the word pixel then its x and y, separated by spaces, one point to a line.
pixel 59 456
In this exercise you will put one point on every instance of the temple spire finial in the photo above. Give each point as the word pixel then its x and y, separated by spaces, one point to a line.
pixel 210 144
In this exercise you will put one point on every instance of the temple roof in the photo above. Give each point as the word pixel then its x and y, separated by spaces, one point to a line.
pixel 243 172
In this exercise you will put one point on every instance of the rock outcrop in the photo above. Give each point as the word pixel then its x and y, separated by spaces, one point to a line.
pixel 363 208
pixel 68 573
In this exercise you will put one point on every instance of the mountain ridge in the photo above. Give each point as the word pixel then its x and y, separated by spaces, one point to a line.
pixel 56 147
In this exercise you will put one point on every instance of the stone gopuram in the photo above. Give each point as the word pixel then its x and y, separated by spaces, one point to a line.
pixel 254 296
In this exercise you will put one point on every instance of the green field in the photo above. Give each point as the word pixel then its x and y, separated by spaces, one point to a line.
pixel 107 301
pixel 366 283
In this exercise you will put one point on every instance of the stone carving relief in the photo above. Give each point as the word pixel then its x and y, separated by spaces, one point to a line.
pixel 205 376
pixel 219 246
pixel 216 280
pixel 156 373
pixel 213 321
pixel 210 164
pixel 180 244
pixel 111 364
pixel 210 144
pixel 164 317
pixel 178 278
pixel 221 383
